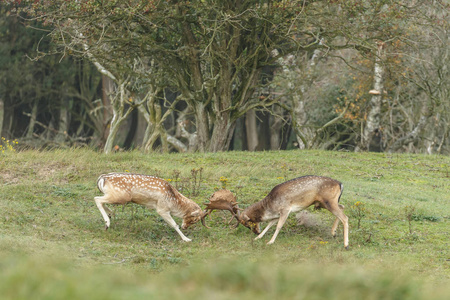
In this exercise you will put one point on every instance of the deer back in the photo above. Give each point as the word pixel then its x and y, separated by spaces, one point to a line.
pixel 295 194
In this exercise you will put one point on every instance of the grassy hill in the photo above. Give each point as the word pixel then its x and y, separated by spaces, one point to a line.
pixel 53 243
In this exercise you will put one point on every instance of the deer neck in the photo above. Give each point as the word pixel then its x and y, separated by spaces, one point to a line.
pixel 255 212
pixel 263 210
pixel 183 205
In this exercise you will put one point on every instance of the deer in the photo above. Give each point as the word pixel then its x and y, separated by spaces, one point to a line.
pixel 292 196
pixel 221 200
pixel 151 192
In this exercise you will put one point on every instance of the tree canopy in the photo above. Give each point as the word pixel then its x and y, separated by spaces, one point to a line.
pixel 220 58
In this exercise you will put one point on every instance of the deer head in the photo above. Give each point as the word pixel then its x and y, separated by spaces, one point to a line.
pixel 247 222
pixel 191 219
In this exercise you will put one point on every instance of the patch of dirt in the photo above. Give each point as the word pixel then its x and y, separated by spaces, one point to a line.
pixel 8 178
pixel 308 219
pixel 43 172
pixel 46 172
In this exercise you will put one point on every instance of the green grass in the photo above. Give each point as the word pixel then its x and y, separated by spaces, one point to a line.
pixel 53 244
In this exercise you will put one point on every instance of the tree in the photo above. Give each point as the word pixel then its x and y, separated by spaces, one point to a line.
pixel 212 53
pixel 47 99
pixel 425 78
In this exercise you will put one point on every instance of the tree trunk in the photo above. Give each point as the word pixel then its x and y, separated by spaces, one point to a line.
pixel 114 128
pixel 373 116
pixel 299 118
pixel 33 117
pixel 63 126
pixel 223 126
pixel 276 123
pixel 251 130
pixel 202 126
pixel 221 136
pixel 2 114
pixel 154 129
pixel 119 115
pixel 155 122
pixel 107 94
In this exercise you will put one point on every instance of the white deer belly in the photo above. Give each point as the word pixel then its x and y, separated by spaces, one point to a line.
pixel 145 197
pixel 297 207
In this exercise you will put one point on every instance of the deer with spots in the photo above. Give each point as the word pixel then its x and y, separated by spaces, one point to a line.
pixel 291 196
pixel 295 195
pixel 151 192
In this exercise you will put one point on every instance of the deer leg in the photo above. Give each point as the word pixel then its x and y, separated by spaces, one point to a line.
pixel 283 217
pixel 168 218
pixel 337 211
pixel 336 222
pixel 100 201
pixel 108 210
pixel 334 228
pixel 265 229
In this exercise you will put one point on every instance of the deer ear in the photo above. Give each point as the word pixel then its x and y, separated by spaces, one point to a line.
pixel 245 218
pixel 196 213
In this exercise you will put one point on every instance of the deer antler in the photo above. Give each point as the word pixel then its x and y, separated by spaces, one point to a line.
pixel 221 200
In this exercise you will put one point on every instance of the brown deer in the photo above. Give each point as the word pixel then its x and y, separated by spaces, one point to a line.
pixel 151 192
pixel 295 195
pixel 221 200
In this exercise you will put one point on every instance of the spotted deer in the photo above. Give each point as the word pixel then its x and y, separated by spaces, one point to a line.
pixel 151 192
pixel 295 195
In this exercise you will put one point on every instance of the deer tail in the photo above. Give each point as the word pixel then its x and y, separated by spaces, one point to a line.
pixel 342 190
pixel 101 183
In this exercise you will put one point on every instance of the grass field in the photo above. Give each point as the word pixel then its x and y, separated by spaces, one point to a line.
pixel 53 244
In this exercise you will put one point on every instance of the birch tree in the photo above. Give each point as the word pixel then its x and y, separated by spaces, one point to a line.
pixel 373 119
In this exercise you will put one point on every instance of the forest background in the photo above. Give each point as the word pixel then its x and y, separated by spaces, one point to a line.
pixel 204 76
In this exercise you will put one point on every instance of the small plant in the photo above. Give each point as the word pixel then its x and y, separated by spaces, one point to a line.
pixel 190 185
pixel 410 214
pixel 196 181
pixel 358 210
pixel 224 181
pixel 420 217
pixel 176 178
pixel 7 145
